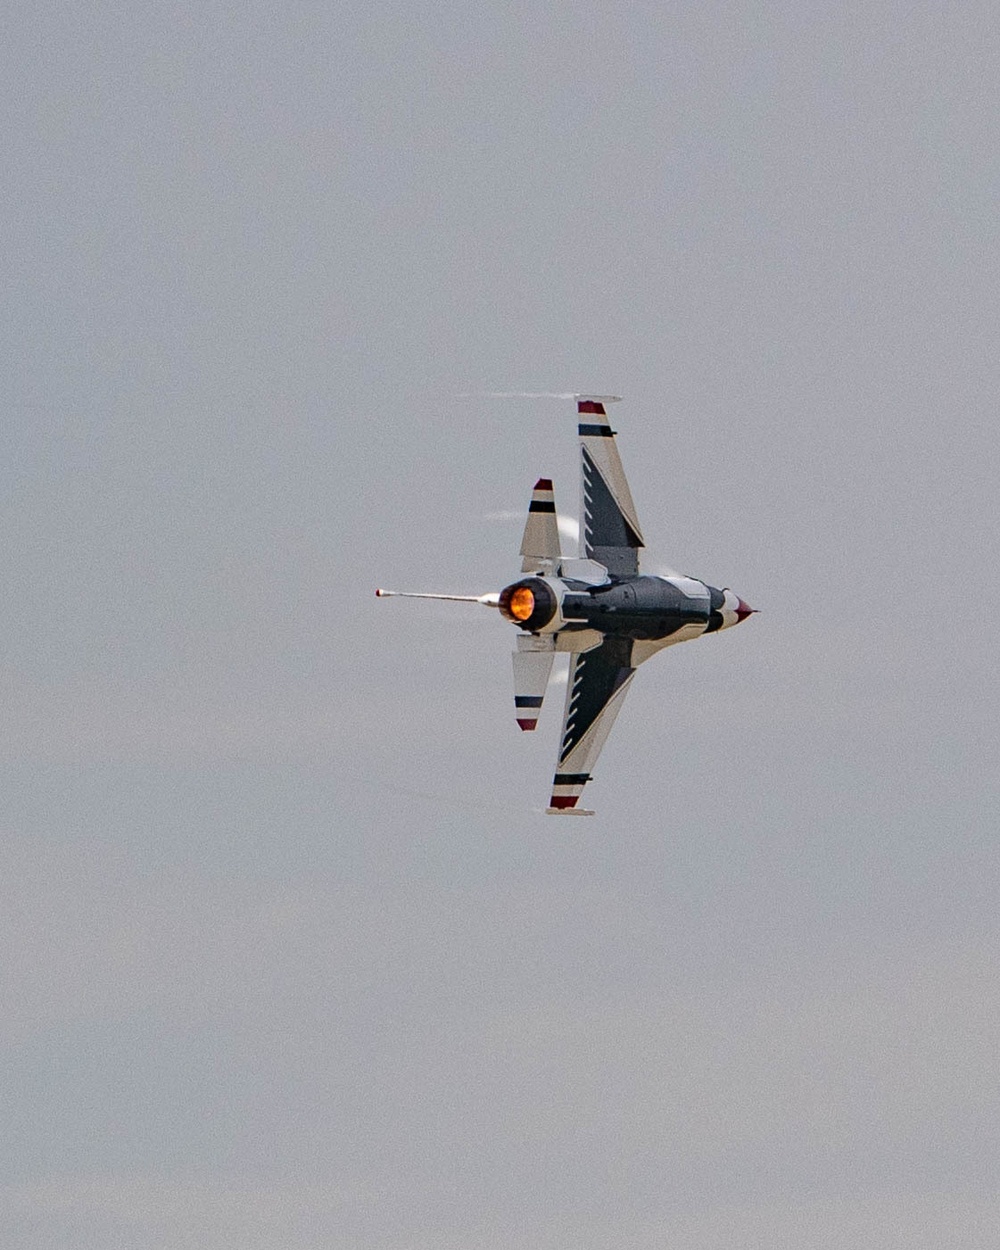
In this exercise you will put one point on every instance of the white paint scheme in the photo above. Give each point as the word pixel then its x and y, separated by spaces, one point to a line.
pixel 531 671
pixel 642 651
pixel 577 641
pixel 730 609
pixel 536 642
pixel 566 642
pixel 531 677
pixel 540 549
pixel 588 571
pixel 689 587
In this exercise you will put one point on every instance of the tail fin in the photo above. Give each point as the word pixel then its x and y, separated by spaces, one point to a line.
pixel 540 548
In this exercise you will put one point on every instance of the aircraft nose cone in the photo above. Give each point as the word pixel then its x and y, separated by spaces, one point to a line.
pixel 743 610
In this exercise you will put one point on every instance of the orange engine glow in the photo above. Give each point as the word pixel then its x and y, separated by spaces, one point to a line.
pixel 522 603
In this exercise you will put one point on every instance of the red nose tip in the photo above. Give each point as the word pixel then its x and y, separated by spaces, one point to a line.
pixel 743 610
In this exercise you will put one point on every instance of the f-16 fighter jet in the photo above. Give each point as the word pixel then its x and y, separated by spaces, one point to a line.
pixel 598 607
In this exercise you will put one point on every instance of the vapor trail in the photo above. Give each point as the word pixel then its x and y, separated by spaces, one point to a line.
pixel 606 399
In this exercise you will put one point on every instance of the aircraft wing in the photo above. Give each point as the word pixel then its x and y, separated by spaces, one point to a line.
pixel 611 533
pixel 595 692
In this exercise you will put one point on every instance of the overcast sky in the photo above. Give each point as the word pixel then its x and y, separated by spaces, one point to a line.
pixel 291 959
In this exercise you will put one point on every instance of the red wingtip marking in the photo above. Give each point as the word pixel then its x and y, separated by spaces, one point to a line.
pixel 543 483
pixel 378 594
pixel 744 610
pixel 527 724
pixel 588 405
pixel 564 800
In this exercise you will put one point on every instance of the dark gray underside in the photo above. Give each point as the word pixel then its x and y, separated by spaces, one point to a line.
pixel 637 607
pixel 598 675
pixel 608 537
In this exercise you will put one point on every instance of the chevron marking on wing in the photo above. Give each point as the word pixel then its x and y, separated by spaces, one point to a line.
pixel 606 669
pixel 588 500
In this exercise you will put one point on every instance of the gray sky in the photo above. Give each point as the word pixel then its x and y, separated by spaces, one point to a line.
pixel 291 960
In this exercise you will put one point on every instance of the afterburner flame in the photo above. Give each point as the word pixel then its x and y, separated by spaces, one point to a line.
pixel 522 603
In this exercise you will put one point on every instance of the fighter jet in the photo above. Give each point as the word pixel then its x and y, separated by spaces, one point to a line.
pixel 596 606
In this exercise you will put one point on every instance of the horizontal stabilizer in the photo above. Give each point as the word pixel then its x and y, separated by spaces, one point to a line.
pixel 540 544
pixel 532 670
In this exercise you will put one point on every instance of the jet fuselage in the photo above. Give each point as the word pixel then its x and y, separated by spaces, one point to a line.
pixel 594 606
pixel 643 607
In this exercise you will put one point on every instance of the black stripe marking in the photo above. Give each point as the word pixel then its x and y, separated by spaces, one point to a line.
pixel 542 505
pixel 596 431
pixel 528 700
pixel 570 779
